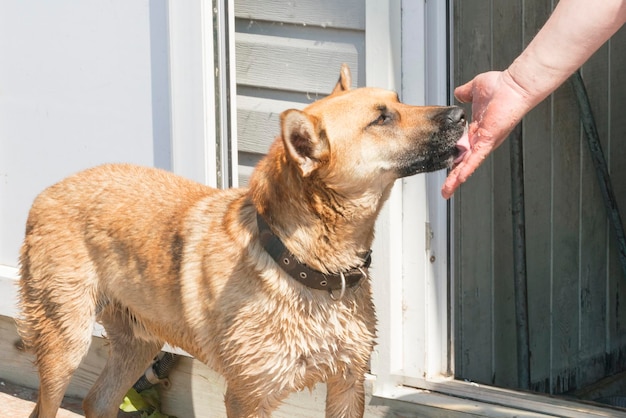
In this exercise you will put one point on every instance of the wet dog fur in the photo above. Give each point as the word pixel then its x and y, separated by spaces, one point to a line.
pixel 157 258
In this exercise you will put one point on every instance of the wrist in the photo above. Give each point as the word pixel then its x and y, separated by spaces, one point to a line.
pixel 532 81
pixel 521 96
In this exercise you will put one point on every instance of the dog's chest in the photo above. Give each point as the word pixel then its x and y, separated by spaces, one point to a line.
pixel 298 348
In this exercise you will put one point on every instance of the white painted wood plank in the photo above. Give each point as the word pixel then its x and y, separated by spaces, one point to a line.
pixel 75 93
pixel 192 90
pixel 8 290
pixel 517 400
pixel 258 121
pixel 292 64
pixel 244 174
pixel 382 42
pixel 345 14
pixel 17 365
pixel 424 65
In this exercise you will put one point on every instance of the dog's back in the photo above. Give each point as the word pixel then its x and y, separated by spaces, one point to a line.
pixel 101 221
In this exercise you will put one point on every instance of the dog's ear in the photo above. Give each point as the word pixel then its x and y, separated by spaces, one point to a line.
pixel 345 79
pixel 303 142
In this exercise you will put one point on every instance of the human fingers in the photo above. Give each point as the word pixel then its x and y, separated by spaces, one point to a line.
pixel 452 182
pixel 480 151
pixel 481 148
pixel 459 174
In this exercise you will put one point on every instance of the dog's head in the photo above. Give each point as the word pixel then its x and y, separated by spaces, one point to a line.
pixel 363 138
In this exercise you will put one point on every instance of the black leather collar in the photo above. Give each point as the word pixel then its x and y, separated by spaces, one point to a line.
pixel 304 274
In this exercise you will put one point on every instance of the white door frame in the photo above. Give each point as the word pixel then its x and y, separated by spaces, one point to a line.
pixel 203 120
pixel 406 51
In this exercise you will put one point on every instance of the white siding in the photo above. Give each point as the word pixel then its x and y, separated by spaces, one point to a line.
pixel 75 91
pixel 288 55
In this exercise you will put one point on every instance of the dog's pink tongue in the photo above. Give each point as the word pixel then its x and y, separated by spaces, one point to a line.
pixel 463 145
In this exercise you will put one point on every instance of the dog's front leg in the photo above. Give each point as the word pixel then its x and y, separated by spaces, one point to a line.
pixel 345 396
pixel 248 405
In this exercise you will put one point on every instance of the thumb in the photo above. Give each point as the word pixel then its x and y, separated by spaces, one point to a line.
pixel 464 93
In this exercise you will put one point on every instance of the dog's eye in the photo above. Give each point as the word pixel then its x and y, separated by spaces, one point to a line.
pixel 383 119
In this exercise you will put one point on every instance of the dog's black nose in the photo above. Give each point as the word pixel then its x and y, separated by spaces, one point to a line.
pixel 455 116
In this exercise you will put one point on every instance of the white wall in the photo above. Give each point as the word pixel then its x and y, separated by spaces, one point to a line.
pixel 77 82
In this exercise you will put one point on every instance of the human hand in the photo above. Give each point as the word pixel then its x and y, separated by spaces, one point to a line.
pixel 498 104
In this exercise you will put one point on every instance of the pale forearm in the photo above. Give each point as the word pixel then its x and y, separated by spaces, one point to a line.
pixel 500 99
pixel 571 35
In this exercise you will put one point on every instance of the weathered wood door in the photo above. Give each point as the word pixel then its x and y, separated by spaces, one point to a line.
pixel 575 286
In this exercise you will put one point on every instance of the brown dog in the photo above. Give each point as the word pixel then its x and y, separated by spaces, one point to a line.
pixel 267 285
